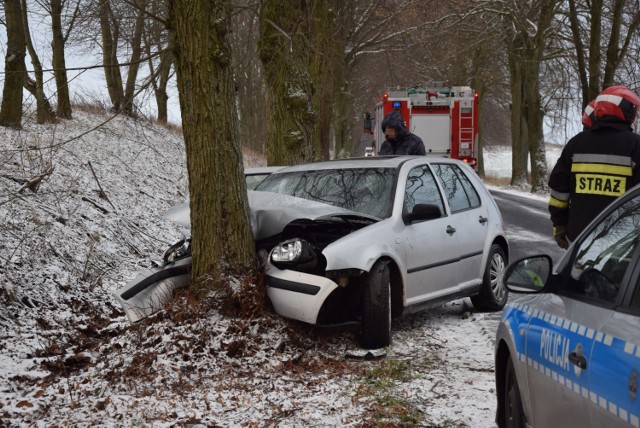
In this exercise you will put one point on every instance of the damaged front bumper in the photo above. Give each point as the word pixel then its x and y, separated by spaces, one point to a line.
pixel 153 288
pixel 297 295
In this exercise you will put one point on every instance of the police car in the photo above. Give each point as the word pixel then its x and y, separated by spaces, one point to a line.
pixel 568 352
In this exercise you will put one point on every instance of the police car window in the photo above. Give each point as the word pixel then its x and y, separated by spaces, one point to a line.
pixel 422 189
pixel 459 191
pixel 602 258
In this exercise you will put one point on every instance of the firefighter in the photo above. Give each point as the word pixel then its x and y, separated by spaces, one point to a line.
pixel 596 166
pixel 398 139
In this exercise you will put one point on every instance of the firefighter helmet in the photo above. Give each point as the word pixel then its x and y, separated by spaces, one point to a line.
pixel 589 114
pixel 617 101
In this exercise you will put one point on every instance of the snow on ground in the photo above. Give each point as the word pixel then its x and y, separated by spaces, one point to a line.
pixel 81 213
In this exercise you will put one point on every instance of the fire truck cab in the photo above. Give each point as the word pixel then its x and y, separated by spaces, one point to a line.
pixel 444 117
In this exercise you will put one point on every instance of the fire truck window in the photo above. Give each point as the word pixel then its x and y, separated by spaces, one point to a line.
pixel 460 193
pixel 422 189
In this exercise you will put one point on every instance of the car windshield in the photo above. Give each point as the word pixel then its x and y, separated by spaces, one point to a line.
pixel 364 190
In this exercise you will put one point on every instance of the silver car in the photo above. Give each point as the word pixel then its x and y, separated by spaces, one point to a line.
pixel 382 236
pixel 568 353
pixel 254 176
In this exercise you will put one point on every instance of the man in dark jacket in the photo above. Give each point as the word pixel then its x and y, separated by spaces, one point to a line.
pixel 398 139
pixel 596 166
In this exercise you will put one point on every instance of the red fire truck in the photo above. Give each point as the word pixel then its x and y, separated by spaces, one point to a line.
pixel 445 117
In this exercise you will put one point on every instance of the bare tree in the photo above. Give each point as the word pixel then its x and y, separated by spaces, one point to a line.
pixel 110 31
pixel 249 75
pixel 527 35
pixel 222 238
pixel 136 54
pixel 58 43
pixel 589 22
pixel 158 39
pixel 44 112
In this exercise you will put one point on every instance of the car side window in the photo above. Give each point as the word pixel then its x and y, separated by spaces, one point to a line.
pixel 457 186
pixel 602 258
pixel 422 189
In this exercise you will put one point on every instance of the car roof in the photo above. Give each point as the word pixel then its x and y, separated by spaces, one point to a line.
pixel 262 170
pixel 365 162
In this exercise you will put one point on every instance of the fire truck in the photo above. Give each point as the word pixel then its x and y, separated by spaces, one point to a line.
pixel 444 117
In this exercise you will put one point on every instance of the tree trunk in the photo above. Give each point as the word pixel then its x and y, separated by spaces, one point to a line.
pixel 250 84
pixel 63 108
pixel 136 54
pixel 110 35
pixel 594 49
pixel 222 237
pixel 15 70
pixel 519 126
pixel 325 71
pixel 284 52
pixel 526 53
pixel 44 112
pixel 160 88
pixel 155 36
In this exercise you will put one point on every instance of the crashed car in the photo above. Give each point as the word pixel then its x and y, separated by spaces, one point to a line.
pixel 357 242
pixel 397 234
pixel 255 176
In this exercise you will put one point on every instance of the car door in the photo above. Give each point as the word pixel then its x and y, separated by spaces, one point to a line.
pixel 469 217
pixel 431 248
pixel 615 359
pixel 570 327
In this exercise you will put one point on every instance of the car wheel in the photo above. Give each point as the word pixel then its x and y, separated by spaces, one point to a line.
pixel 513 410
pixel 493 295
pixel 376 308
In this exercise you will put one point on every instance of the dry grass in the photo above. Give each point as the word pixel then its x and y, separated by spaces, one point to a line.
pixel 497 181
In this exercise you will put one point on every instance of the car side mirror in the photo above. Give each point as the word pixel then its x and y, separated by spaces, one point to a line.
pixel 422 212
pixel 528 275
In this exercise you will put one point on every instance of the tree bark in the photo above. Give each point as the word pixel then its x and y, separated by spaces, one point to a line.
pixel 526 49
pixel 63 108
pixel 44 112
pixel 284 52
pixel 326 70
pixel 110 34
pixel 15 70
pixel 222 237
pixel 159 39
pixel 136 54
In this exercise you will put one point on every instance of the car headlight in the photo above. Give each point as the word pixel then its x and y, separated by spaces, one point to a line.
pixel 297 254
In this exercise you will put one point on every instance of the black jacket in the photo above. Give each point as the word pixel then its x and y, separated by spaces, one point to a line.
pixel 405 142
pixel 595 167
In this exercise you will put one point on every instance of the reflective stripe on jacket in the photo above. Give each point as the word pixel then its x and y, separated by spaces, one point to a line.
pixel 595 167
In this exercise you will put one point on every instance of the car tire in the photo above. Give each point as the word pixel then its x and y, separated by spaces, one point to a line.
pixel 493 295
pixel 376 308
pixel 513 410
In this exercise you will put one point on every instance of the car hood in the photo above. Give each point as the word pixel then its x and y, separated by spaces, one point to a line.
pixel 271 212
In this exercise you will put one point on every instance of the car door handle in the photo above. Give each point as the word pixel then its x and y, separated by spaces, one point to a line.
pixel 483 220
pixel 578 360
pixel 451 230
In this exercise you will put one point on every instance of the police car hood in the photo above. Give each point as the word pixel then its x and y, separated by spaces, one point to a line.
pixel 271 212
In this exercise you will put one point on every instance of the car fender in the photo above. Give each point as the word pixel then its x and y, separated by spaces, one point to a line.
pixel 511 333
pixel 358 251
pixel 494 235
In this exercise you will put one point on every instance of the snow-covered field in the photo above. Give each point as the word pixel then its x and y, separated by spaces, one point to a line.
pixel 78 218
